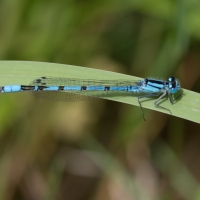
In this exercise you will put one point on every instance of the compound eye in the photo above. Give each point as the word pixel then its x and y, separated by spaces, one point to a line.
pixel 173 84
pixel 172 79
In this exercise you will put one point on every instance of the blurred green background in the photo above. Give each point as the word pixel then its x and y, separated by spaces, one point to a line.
pixel 100 149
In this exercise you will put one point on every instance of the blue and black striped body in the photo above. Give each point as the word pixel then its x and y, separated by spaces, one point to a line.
pixel 143 86
pixel 75 89
pixel 21 88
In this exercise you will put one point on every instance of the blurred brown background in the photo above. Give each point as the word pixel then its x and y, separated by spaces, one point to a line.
pixel 100 149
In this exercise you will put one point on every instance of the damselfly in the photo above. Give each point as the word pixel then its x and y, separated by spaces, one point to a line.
pixel 67 89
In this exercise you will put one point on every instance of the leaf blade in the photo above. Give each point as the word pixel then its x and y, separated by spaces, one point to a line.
pixel 23 72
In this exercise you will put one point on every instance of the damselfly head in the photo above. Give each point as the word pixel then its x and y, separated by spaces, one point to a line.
pixel 174 84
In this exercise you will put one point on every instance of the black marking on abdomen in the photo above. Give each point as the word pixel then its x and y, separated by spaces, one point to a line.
pixel 61 88
pixel 25 87
pixel 83 87
pixel 42 87
pixel 107 88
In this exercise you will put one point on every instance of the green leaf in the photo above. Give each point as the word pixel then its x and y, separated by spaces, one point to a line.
pixel 23 72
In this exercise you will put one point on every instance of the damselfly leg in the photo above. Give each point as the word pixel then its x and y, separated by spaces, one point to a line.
pixel 145 96
pixel 157 101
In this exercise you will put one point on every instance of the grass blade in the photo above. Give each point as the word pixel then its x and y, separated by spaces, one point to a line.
pixel 23 72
